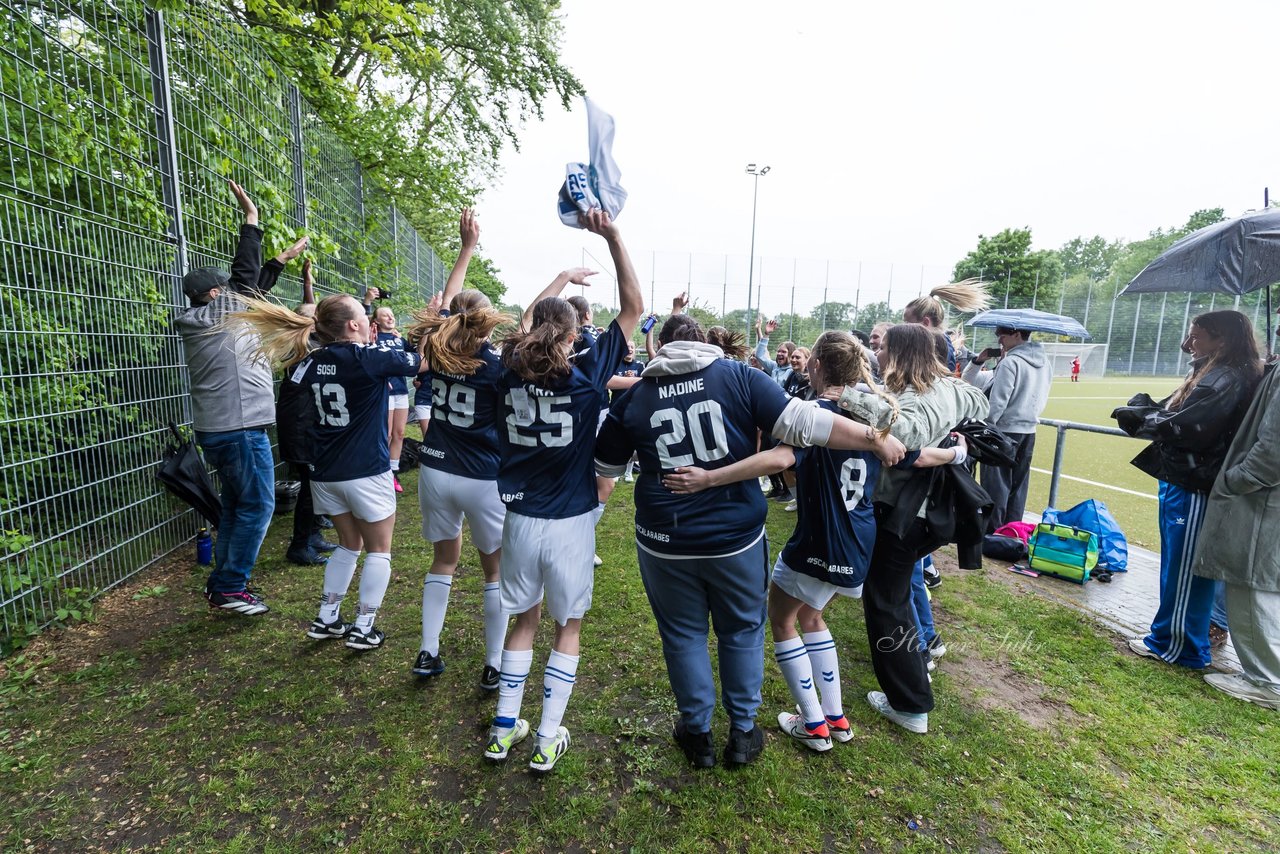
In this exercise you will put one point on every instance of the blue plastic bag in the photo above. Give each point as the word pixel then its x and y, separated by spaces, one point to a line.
pixel 1093 515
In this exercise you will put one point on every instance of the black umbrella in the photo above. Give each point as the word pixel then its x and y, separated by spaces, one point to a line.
pixel 184 474
pixel 1237 256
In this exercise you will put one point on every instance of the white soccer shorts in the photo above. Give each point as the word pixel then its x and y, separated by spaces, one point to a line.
pixel 369 499
pixel 397 401
pixel 809 590
pixel 445 498
pixel 421 412
pixel 555 556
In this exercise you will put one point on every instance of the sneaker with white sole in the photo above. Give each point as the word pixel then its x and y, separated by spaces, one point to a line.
pixel 937 648
pixel 321 630
pixel 502 739
pixel 1239 686
pixel 1138 646
pixel 365 639
pixel 596 561
pixel 244 603
pixel 791 507
pixel 840 729
pixel 489 678
pixel 548 753
pixel 427 664
pixel 818 739
pixel 912 722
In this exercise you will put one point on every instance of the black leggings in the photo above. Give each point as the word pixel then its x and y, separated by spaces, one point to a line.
pixel 304 518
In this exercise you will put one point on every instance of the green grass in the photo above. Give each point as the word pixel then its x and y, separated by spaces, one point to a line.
pixel 163 726
pixel 1097 458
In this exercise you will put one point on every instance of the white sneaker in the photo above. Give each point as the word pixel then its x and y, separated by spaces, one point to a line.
pixel 1139 647
pixel 1239 686
pixel 502 739
pixel 629 479
pixel 917 722
pixel 545 756
pixel 596 561
pixel 793 725
pixel 791 508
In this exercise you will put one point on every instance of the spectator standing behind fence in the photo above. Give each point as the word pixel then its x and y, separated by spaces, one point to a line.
pixel 1241 548
pixel 232 406
pixel 781 368
pixel 1191 432
pixel 1018 389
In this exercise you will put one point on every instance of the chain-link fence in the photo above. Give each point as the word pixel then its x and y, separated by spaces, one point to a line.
pixel 808 297
pixel 119 128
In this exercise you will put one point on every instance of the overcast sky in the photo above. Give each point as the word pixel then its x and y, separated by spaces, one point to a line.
pixel 896 134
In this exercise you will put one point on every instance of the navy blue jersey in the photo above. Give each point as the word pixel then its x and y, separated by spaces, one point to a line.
pixel 797 385
pixel 626 369
pixel 835 521
pixel 393 341
pixel 463 438
pixel 547 435
pixel 348 383
pixel 709 419
pixel 587 337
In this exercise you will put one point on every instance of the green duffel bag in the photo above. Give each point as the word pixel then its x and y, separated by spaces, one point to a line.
pixel 1063 551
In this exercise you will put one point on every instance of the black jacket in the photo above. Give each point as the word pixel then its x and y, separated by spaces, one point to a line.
pixel 1189 443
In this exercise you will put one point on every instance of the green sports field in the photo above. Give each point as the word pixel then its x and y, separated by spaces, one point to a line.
pixel 1096 466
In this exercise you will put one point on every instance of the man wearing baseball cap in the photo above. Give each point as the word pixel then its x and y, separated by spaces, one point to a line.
pixel 233 404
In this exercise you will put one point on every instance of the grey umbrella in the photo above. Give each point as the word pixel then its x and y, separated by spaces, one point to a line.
pixel 1237 256
pixel 1031 320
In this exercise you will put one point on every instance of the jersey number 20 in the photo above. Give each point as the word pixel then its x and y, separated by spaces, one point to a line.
pixel 706 448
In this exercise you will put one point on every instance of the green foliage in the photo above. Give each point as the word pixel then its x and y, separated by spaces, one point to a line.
pixel 1008 262
pixel 1092 258
pixel 426 95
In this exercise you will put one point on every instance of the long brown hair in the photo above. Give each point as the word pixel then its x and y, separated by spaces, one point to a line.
pixel 1239 350
pixel 909 357
pixel 732 343
pixel 681 327
pixel 450 344
pixel 843 361
pixel 541 355
pixel 284 336
pixel 965 295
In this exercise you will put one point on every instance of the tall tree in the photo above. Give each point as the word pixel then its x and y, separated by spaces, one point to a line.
pixel 1092 257
pixel 426 95
pixel 1010 264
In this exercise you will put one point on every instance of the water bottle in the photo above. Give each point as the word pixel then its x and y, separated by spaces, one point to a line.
pixel 204 547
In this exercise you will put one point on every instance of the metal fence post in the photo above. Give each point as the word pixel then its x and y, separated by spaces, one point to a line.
pixel 1155 359
pixel 1133 341
pixel 364 227
pixel 299 176
pixel 1058 450
pixel 1186 316
pixel 166 139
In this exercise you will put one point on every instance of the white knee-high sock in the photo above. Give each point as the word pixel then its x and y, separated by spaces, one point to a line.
pixel 338 571
pixel 596 514
pixel 794 664
pixel 495 625
pixel 395 465
pixel 826 666
pixel 557 685
pixel 631 464
pixel 374 578
pixel 513 671
pixel 435 603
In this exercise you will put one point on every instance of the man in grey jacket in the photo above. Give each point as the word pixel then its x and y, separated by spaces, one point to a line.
pixel 1018 390
pixel 233 405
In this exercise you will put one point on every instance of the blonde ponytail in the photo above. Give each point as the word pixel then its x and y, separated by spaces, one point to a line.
pixel 450 344
pixel 966 295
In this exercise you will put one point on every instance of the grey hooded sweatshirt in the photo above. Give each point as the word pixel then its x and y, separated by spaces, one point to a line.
pixel 1018 388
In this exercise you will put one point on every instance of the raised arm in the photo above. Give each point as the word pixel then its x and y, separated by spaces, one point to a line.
pixel 648 341
pixel 308 284
pixel 574 275
pixel 630 301
pixel 679 303
pixel 469 229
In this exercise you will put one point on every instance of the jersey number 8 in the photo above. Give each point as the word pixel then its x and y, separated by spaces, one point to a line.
pixel 706 451
pixel 853 480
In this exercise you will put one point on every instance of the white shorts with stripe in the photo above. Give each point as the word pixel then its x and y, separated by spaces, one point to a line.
pixel 809 590
pixel 555 556
pixel 397 401
pixel 369 499
pixel 421 412
pixel 445 498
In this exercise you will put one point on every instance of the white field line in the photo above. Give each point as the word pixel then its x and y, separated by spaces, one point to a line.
pixel 1095 483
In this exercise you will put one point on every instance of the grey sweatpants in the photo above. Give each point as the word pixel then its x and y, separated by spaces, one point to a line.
pixel 1255 633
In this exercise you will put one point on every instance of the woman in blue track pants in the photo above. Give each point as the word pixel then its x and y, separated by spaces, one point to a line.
pixel 1191 431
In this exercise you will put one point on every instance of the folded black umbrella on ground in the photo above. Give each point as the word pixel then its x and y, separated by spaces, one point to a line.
pixel 184 474
pixel 986 443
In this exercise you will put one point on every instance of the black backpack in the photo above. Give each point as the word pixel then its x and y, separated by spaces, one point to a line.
pixel 296 420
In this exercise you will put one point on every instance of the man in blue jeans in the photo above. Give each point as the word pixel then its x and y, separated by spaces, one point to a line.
pixel 233 405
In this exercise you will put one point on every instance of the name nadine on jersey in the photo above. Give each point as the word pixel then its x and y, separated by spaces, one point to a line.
pixel 707 418
pixel 348 383
pixel 545 434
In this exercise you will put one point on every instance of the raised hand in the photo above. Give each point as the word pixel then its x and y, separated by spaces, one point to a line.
pixel 680 303
pixel 370 294
pixel 437 299
pixel 469 229
pixel 770 326
pixel 293 251
pixel 597 221
pixel 246 204
pixel 578 275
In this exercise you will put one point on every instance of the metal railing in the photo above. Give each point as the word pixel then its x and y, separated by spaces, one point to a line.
pixel 1060 447
pixel 119 127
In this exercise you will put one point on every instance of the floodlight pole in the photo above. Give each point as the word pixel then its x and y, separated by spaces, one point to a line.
pixel 751 261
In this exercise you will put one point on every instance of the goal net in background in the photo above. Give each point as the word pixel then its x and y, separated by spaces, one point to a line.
pixel 1093 358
